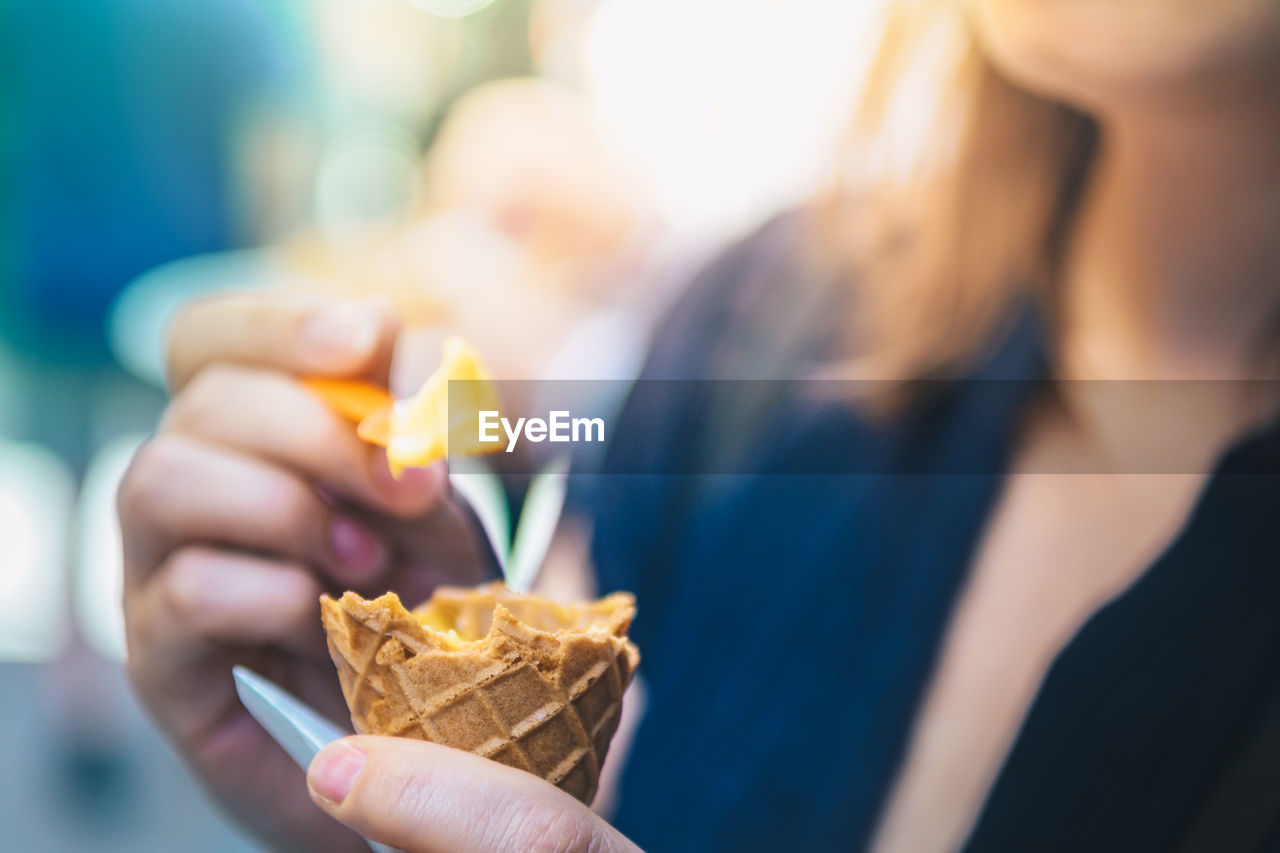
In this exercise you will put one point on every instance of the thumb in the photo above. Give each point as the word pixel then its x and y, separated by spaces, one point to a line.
pixel 427 798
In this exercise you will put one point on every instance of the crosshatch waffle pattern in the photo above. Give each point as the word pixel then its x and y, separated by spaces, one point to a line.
pixel 540 689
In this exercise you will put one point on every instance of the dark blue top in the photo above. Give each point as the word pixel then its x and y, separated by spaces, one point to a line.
pixel 788 621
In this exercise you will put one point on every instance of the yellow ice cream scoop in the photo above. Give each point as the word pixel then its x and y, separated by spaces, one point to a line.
pixel 416 431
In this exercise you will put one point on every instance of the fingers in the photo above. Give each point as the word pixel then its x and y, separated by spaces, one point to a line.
pixel 268 414
pixel 201 601
pixel 178 491
pixel 200 596
pixel 298 334
pixel 198 614
pixel 223 597
pixel 424 798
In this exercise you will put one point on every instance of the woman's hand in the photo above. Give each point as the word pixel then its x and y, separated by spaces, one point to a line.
pixel 426 798
pixel 251 500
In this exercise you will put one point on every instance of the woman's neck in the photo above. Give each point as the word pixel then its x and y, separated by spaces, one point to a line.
pixel 1173 269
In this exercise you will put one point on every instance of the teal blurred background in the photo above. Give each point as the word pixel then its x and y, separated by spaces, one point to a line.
pixel 540 176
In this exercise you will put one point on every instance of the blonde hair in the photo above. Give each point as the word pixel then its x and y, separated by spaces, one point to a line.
pixel 947 223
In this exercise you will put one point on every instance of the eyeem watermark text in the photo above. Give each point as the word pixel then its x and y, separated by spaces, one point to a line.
pixel 559 426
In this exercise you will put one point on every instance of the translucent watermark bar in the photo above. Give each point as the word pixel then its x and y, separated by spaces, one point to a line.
pixel 861 427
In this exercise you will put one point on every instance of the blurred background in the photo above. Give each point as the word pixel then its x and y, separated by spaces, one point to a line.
pixel 540 175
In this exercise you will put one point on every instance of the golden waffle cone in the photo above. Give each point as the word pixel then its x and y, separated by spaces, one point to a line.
pixel 519 679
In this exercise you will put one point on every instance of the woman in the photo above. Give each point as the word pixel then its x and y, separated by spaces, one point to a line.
pixel 925 637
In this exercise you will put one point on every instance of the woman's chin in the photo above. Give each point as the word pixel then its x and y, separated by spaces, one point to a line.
pixel 1101 53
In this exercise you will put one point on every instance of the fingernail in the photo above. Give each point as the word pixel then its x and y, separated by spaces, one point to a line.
pixel 357 550
pixel 334 770
pixel 339 332
pixel 416 481
pixel 413 482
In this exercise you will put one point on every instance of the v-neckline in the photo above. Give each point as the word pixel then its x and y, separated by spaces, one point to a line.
pixel 1023 358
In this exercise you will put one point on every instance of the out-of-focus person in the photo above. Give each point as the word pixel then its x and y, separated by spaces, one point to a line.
pixel 1011 587
pixel 528 230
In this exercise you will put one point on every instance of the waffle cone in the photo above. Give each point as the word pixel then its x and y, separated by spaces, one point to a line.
pixel 515 678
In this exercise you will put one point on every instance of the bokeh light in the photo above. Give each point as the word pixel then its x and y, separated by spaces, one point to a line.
pixel 728 110
pixel 138 323
pixel 99 576
pixel 451 8
pixel 368 174
pixel 36 492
